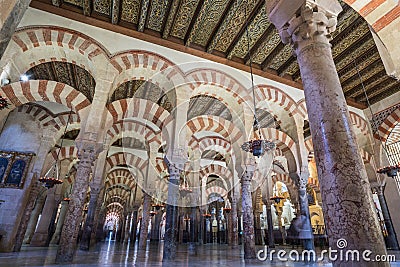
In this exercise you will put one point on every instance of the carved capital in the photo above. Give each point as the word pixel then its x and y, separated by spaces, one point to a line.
pixel 87 152
pixel 313 23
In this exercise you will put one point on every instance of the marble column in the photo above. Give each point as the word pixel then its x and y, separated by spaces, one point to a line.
pixel 391 239
pixel 10 20
pixel 192 231
pixel 60 222
pixel 127 226
pixel 40 236
pixel 68 241
pixel 345 189
pixel 248 218
pixel 144 226
pixel 155 228
pixel 134 225
pixel 270 225
pixel 99 217
pixel 89 223
pixel 34 218
pixel 234 222
pixel 171 220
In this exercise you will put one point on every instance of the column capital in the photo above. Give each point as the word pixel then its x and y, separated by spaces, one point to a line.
pixel 305 22
pixel 88 151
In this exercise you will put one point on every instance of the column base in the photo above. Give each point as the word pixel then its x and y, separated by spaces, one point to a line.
pixel 39 240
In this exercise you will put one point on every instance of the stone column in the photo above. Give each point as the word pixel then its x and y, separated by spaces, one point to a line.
pixel 127 227
pixel 60 222
pixel 134 225
pixel 248 218
pixel 192 231
pixel 89 223
pixel 391 239
pixel 40 236
pixel 345 190
pixel 270 224
pixel 10 17
pixel 171 220
pixel 34 218
pixel 144 226
pixel 155 229
pixel 234 221
pixel 68 241
pixel 99 217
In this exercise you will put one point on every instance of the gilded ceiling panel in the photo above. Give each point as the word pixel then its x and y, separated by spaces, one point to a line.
pixel 75 2
pixel 365 76
pixel 84 83
pixel 382 87
pixel 345 61
pixel 183 18
pixel 282 57
pixel 102 6
pixel 157 14
pixel 206 105
pixel 367 61
pixel 293 68
pixel 267 46
pixel 256 29
pixel 239 18
pixel 351 38
pixel 208 19
pixel 130 11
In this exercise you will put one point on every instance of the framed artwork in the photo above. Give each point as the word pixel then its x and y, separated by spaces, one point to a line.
pixel 13 168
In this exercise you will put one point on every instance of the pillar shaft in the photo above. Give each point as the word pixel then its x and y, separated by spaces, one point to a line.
pixel 270 224
pixel 134 226
pixel 345 190
pixel 234 222
pixel 34 218
pixel 248 218
pixel 10 20
pixel 60 222
pixel 391 239
pixel 89 223
pixel 171 220
pixel 144 226
pixel 41 234
pixel 69 234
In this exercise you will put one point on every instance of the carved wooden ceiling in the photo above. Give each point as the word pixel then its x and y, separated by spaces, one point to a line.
pixel 215 29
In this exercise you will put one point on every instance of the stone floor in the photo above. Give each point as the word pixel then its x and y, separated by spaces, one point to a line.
pixel 115 254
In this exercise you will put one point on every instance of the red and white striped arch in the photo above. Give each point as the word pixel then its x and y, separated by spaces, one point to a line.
pixel 359 122
pixel 220 79
pixel 120 180
pixel 208 142
pixel 388 125
pixel 216 190
pixel 148 66
pixel 128 159
pixel 285 142
pixel 270 93
pixel 218 170
pixel 67 152
pixel 378 13
pixel 40 44
pixel 139 108
pixel 119 128
pixel 215 124
pixel 20 93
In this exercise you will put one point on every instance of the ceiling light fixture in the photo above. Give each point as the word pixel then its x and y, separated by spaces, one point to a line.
pixel 257 146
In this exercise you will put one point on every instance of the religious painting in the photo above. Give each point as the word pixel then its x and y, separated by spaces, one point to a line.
pixel 5 162
pixel 13 168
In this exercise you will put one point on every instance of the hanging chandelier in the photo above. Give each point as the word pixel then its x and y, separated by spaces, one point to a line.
pixel 184 187
pixel 51 178
pixel 256 146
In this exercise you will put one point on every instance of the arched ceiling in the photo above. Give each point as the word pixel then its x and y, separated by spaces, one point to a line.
pixel 207 105
pixel 64 72
pixel 217 27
